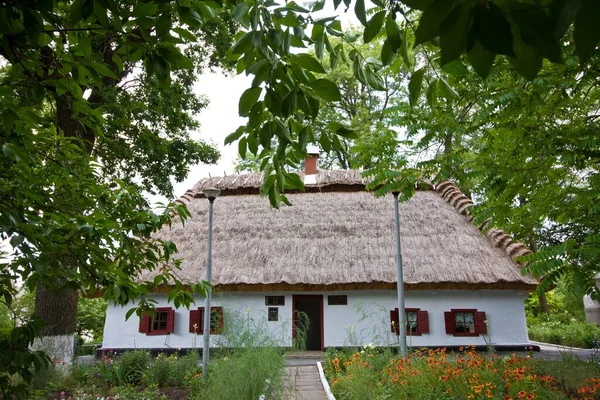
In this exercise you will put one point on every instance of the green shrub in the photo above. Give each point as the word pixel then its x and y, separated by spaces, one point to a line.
pixel 130 367
pixel 563 331
pixel 245 374
pixel 161 370
pixel 184 367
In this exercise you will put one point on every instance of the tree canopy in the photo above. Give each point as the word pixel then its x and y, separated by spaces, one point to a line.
pixel 96 104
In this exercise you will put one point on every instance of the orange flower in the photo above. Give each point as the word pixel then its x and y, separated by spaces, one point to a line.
pixel 507 397
pixel 584 389
pixel 521 393
pixel 531 396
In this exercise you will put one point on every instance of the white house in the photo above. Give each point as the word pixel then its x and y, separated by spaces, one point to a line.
pixel 331 256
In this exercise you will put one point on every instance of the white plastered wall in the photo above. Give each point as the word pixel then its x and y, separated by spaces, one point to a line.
pixel 364 320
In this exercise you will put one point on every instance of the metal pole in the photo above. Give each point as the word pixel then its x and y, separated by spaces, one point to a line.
pixel 205 347
pixel 400 280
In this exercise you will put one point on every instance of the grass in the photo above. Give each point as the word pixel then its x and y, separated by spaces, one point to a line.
pixel 569 374
pixel 434 374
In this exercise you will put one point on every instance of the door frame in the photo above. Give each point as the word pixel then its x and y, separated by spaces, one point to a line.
pixel 321 325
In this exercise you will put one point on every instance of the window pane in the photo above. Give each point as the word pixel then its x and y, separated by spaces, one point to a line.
pixel 464 322
pixel 411 321
pixel 160 321
pixel 273 314
pixel 337 300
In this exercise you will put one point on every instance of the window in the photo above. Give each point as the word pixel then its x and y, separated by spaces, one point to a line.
pixel 162 322
pixel 337 300
pixel 273 314
pixel 465 322
pixel 417 321
pixel 274 300
pixel 197 320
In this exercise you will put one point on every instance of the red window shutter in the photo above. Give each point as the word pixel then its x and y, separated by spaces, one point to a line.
pixel 194 320
pixel 480 326
pixel 395 321
pixel 215 330
pixel 145 321
pixel 422 322
pixel 170 320
pixel 450 324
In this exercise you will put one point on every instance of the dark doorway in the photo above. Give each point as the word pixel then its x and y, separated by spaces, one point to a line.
pixel 308 322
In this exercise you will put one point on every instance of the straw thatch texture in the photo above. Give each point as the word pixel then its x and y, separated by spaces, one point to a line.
pixel 337 239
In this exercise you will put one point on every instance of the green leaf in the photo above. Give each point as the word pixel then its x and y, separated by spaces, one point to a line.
pixel 264 135
pixel 232 137
pixel 358 72
pixel 161 67
pixel 527 61
pixel 492 29
pixel 325 142
pixel 248 99
pixel 387 53
pixel 145 9
pixel 446 90
pixel 240 12
pixel 417 4
pixel 374 79
pixel 430 23
pixel 189 17
pixel 242 147
pixel 432 93
pixel 481 59
pixel 308 62
pixel 326 89
pixel 405 50
pixel 455 28
pixel 414 86
pixel 374 26
pixel 289 19
pixel 102 69
pixel 342 130
pixel 282 132
pixel 394 36
pixel 293 181
pixel 456 68
pixel 587 30
pixel 252 141
pixel 360 12
pixel 288 103
pixel 320 46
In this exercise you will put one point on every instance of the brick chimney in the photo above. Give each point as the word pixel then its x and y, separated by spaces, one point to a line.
pixel 310 165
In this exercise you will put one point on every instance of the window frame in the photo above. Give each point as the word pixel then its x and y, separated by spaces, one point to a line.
pixel 147 322
pixel 280 301
pixel 197 317
pixel 274 310
pixel 479 318
pixel 342 297
pixel 422 321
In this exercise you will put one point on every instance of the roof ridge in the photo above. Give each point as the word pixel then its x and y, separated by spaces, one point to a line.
pixel 452 194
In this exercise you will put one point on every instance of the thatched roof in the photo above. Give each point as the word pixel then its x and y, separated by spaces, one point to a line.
pixel 339 236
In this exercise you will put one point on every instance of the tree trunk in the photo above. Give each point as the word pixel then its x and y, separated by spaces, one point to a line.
pixel 57 307
pixel 544 309
pixel 55 302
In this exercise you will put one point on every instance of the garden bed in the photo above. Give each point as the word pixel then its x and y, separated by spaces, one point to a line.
pixel 135 375
pixel 467 374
